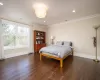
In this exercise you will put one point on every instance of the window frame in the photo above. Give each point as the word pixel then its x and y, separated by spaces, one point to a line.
pixel 16 35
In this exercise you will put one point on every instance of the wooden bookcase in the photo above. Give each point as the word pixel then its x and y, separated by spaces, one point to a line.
pixel 39 40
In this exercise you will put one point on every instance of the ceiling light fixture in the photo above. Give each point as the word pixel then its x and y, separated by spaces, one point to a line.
pixel 44 21
pixel 73 11
pixel 1 3
pixel 40 10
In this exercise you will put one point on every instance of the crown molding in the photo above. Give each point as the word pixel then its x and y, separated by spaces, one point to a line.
pixel 79 19
pixel 84 18
pixel 14 21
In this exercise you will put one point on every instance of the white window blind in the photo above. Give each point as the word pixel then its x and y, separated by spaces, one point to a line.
pixel 15 35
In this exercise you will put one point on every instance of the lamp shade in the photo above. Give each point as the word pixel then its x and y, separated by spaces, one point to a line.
pixel 52 37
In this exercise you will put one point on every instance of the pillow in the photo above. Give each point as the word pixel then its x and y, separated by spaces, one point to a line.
pixel 59 43
pixel 67 43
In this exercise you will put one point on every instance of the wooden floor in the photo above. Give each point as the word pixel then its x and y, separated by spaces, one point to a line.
pixel 29 67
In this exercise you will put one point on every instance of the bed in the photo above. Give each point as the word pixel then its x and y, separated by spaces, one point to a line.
pixel 60 51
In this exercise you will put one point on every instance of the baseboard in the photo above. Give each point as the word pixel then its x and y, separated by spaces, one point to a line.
pixel 2 59
pixel 86 56
pixel 75 54
pixel 15 54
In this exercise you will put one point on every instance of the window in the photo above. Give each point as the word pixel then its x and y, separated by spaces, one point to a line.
pixel 15 36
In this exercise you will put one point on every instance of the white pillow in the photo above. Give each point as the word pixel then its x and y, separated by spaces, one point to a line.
pixel 67 43
pixel 59 43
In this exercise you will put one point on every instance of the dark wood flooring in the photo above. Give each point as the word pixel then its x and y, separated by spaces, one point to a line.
pixel 29 67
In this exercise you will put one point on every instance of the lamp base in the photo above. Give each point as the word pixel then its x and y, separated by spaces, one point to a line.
pixel 96 60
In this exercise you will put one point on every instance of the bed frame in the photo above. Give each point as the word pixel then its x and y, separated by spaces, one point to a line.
pixel 54 57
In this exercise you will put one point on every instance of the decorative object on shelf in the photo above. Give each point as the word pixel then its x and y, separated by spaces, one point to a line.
pixel 38 33
pixel 52 39
pixel 40 10
pixel 95 43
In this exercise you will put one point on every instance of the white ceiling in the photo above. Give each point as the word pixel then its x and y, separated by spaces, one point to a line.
pixel 59 10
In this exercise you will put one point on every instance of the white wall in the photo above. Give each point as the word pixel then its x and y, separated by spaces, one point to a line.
pixel 80 32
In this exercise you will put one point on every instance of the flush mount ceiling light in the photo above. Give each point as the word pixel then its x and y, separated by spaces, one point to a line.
pixel 44 21
pixel 40 10
pixel 1 3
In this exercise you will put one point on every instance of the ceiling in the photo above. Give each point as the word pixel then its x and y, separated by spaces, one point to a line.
pixel 58 10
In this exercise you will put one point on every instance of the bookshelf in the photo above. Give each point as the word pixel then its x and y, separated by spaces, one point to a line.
pixel 39 40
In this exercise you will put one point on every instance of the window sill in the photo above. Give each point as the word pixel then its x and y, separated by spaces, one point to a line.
pixel 18 47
